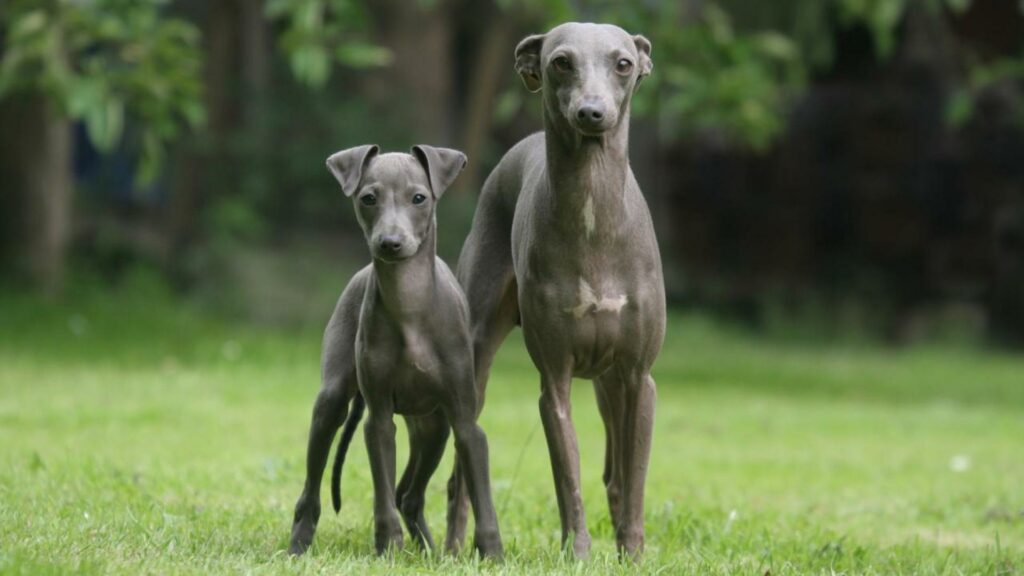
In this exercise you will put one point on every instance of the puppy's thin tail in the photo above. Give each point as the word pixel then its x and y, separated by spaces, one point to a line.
pixel 351 423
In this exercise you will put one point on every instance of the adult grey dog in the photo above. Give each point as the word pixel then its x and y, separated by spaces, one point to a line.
pixel 399 338
pixel 562 242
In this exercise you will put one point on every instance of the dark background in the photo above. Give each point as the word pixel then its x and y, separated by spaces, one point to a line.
pixel 816 168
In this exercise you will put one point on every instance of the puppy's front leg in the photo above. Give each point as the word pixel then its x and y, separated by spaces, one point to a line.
pixel 380 447
pixel 471 450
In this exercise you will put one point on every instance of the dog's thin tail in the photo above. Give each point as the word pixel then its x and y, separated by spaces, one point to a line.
pixel 351 423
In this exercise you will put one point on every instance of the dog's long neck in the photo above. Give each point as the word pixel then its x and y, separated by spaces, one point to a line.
pixel 586 175
pixel 407 287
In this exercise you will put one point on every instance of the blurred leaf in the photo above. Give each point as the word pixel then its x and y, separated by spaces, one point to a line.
pixel 777 46
pixel 194 113
pixel 150 161
pixel 310 64
pixel 959 108
pixel 104 123
pixel 27 24
pixel 85 95
pixel 361 55
pixel 958 6
pixel 508 105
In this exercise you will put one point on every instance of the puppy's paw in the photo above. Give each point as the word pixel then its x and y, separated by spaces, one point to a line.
pixel 302 536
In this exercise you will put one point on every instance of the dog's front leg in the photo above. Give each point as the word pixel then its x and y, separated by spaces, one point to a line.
pixel 556 414
pixel 380 447
pixel 633 454
pixel 609 403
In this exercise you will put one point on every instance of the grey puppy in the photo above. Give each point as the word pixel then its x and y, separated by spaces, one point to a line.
pixel 562 242
pixel 399 338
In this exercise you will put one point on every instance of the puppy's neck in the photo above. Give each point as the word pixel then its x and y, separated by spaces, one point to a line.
pixel 406 287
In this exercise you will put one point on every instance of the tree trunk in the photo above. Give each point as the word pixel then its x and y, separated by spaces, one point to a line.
pixel 490 67
pixel 42 182
pixel 420 38
pixel 197 173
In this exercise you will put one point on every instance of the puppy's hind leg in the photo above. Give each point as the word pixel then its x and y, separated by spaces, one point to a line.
pixel 328 414
pixel 428 436
pixel 330 409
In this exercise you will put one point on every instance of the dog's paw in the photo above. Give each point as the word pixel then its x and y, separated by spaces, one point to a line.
pixel 302 537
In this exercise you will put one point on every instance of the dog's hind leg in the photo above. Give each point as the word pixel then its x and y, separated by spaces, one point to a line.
pixel 428 436
pixel 488 279
pixel 328 414
pixel 329 411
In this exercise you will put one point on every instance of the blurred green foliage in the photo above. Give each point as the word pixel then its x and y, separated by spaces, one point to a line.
pixel 318 33
pixel 982 77
pixel 101 61
pixel 883 16
pixel 712 76
pixel 730 66
pixel 733 67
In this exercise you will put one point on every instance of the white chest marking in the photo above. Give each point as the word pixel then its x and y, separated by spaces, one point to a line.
pixel 591 302
pixel 588 216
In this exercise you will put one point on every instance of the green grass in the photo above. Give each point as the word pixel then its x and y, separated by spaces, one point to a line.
pixel 141 437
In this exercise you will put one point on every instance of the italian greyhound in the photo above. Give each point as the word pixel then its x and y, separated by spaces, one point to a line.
pixel 398 343
pixel 562 243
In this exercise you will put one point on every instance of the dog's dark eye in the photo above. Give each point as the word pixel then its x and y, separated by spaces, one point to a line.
pixel 418 199
pixel 368 199
pixel 623 66
pixel 562 64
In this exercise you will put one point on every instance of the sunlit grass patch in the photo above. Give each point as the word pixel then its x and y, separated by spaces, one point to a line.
pixel 143 437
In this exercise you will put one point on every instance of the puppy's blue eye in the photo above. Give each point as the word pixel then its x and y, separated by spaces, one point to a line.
pixel 368 199
pixel 418 199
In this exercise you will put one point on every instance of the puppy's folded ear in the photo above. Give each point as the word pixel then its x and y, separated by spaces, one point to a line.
pixel 348 165
pixel 528 61
pixel 442 165
pixel 643 51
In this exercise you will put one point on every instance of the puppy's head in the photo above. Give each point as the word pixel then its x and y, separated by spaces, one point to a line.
pixel 394 194
pixel 588 72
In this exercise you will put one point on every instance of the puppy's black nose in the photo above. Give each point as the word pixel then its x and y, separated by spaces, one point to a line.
pixel 590 114
pixel 391 244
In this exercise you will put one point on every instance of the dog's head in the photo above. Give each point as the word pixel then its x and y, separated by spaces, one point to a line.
pixel 588 72
pixel 395 193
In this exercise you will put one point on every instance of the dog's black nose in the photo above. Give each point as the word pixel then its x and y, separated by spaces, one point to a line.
pixel 590 114
pixel 392 244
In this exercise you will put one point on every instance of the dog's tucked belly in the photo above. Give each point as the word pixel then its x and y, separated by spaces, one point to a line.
pixel 589 316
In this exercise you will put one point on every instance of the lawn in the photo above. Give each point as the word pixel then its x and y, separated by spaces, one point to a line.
pixel 140 436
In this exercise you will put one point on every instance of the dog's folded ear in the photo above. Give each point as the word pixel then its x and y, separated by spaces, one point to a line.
pixel 442 165
pixel 528 61
pixel 348 165
pixel 643 51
